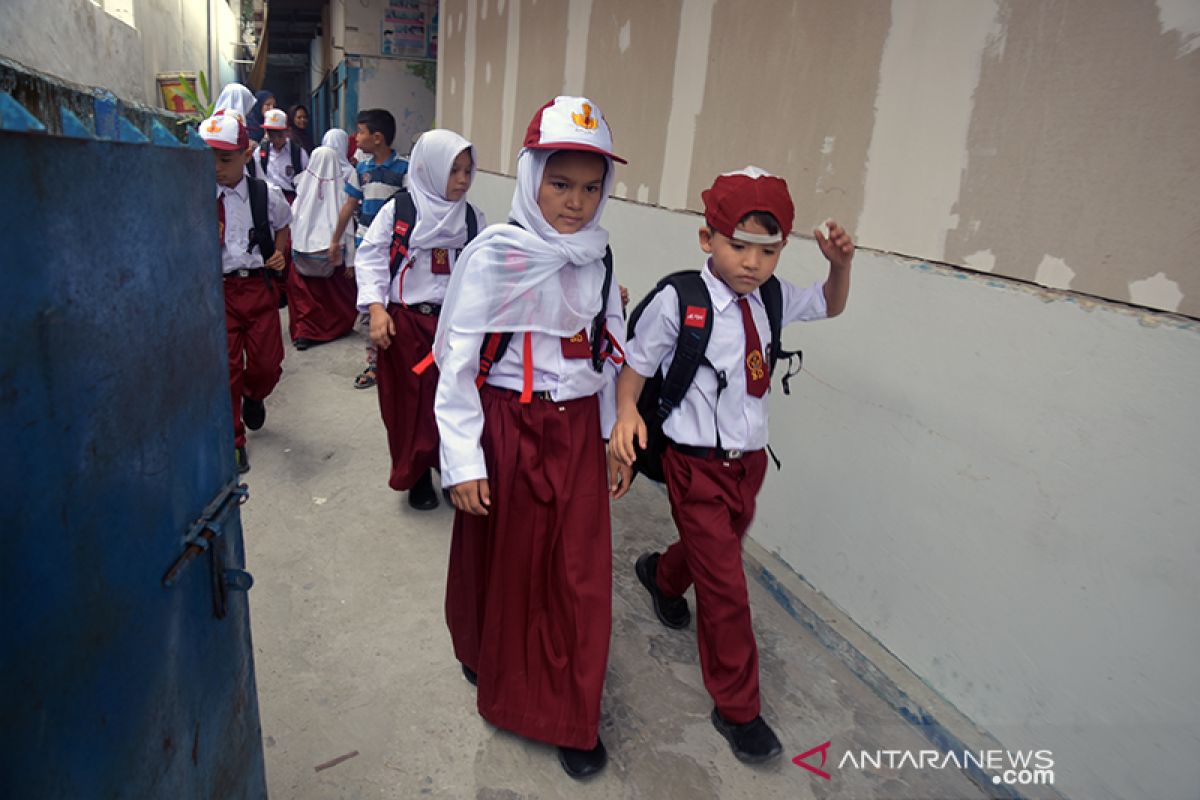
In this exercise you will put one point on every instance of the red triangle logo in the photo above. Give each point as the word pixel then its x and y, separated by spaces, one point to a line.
pixel 823 749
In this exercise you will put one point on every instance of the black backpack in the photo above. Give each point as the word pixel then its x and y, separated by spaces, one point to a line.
pixel 406 217
pixel 495 345
pixel 264 157
pixel 662 394
pixel 260 234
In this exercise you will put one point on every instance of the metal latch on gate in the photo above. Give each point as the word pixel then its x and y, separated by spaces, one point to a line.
pixel 202 535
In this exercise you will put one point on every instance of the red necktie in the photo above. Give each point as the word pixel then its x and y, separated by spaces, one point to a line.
pixel 221 219
pixel 757 381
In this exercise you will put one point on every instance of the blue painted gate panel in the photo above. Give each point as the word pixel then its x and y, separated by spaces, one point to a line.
pixel 114 406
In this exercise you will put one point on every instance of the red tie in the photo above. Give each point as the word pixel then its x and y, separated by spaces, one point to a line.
pixel 757 381
pixel 221 219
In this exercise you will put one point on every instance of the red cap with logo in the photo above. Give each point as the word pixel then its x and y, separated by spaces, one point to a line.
pixel 570 123
pixel 733 195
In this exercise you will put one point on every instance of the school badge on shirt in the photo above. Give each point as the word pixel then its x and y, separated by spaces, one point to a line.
pixel 577 346
pixel 440 259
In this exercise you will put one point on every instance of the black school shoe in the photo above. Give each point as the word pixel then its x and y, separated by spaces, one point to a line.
pixel 671 611
pixel 583 764
pixel 302 343
pixel 471 676
pixel 752 743
pixel 422 496
pixel 239 458
pixel 254 413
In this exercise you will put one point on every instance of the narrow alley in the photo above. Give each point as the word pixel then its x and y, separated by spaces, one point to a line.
pixel 352 652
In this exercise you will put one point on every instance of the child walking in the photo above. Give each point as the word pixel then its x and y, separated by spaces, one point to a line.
pixel 714 462
pixel 375 180
pixel 522 424
pixel 402 288
pixel 321 294
pixel 252 221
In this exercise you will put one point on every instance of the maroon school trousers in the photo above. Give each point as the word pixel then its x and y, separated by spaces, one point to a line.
pixel 321 309
pixel 713 504
pixel 529 593
pixel 255 341
pixel 406 399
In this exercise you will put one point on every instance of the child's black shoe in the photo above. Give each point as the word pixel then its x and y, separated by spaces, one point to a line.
pixel 239 458
pixel 422 496
pixel 581 764
pixel 752 742
pixel 671 611
pixel 470 675
pixel 254 413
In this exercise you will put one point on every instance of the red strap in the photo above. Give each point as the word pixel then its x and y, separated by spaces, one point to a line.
pixel 617 358
pixel 424 364
pixel 400 289
pixel 527 358
pixel 487 359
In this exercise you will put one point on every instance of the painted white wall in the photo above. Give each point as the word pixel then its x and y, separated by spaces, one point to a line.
pixel 1000 486
pixel 389 83
pixel 79 42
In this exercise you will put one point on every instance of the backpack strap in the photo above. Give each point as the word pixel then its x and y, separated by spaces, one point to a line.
pixel 472 224
pixel 405 211
pixel 772 297
pixel 261 234
pixel 695 329
pixel 264 155
pixel 296 168
pixel 602 345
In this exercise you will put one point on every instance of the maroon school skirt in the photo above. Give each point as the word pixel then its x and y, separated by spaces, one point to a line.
pixel 529 591
pixel 406 399
pixel 321 309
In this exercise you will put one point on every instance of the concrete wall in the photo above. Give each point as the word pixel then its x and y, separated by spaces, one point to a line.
pixel 994 479
pixel 78 41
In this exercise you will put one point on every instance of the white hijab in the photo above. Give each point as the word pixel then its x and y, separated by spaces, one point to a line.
pixel 440 222
pixel 318 200
pixel 235 97
pixel 338 141
pixel 528 278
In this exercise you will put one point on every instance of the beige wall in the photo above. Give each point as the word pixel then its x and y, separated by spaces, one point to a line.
pixel 1053 142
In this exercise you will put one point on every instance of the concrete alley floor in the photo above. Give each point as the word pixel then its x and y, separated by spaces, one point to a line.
pixel 352 653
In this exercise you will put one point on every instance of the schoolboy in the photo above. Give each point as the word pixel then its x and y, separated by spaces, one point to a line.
pixel 286 159
pixel 375 180
pixel 714 462
pixel 255 339
pixel 404 304
pixel 528 595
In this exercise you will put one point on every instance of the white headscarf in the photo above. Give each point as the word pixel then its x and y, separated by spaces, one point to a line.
pixel 319 196
pixel 440 222
pixel 338 141
pixel 528 278
pixel 237 98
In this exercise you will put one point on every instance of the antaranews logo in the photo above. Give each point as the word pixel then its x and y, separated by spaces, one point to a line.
pixel 1009 767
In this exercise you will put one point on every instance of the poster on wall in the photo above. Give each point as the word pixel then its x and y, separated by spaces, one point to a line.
pixel 403 29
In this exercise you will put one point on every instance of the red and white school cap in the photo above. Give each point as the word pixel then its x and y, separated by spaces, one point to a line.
pixel 275 120
pixel 733 195
pixel 570 123
pixel 224 132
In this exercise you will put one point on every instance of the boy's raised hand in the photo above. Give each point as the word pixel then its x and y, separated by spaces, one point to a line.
pixel 838 247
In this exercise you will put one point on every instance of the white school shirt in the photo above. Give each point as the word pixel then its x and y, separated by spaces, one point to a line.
pixel 239 223
pixel 279 165
pixel 458 409
pixel 741 417
pixel 372 271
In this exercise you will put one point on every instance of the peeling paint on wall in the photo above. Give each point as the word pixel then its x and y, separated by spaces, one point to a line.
pixel 930 68
pixel 1055 273
pixel 1182 17
pixel 1157 291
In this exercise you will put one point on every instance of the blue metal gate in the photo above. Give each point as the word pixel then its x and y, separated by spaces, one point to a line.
pixel 126 657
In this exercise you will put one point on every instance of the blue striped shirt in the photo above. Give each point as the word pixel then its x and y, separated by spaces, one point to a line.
pixel 374 184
